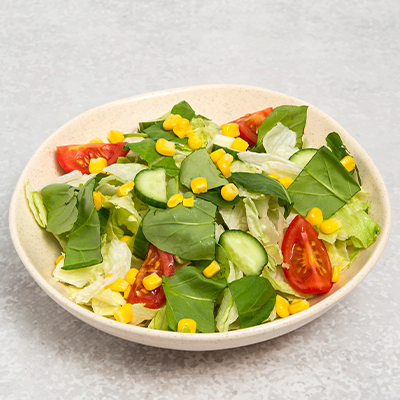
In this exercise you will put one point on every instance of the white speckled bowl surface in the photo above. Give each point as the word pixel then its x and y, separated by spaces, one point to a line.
pixel 222 103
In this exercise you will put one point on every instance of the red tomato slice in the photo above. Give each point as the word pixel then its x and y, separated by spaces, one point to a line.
pixel 308 268
pixel 249 124
pixel 77 157
pixel 156 261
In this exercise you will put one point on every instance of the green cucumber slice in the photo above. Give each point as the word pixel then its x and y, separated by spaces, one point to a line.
pixel 302 157
pixel 150 187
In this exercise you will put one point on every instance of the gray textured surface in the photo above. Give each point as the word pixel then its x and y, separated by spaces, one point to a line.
pixel 59 59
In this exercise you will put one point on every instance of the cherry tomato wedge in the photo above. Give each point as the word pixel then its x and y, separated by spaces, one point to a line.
pixel 249 124
pixel 77 157
pixel 308 268
pixel 156 261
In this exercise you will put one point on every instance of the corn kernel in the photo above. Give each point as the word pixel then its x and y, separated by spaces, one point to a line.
pixel 188 202
pixel 224 163
pixel 125 188
pixel 282 307
pixel 348 162
pixel 299 305
pixel 199 185
pixel 96 165
pixel 314 216
pixel 171 121
pixel 119 285
pixel 59 258
pixel 274 176
pixel 124 314
pixel 116 136
pixel 127 291
pixel 189 324
pixel 183 129
pixel 194 142
pixel 240 144
pixel 211 270
pixel 335 273
pixel 175 200
pixel 286 181
pixel 230 130
pixel 217 154
pixel 98 200
pixel 229 192
pixel 330 226
pixel 131 275
pixel 165 147
pixel 96 140
pixel 152 281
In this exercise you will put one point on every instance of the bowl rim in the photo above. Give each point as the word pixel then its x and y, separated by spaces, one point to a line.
pixel 203 341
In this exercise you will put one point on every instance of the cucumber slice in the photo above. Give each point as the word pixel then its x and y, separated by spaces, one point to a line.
pixel 245 251
pixel 302 157
pixel 150 187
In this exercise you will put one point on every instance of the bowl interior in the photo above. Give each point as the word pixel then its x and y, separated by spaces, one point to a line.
pixel 222 103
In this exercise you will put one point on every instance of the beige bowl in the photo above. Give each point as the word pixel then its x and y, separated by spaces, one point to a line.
pixel 222 103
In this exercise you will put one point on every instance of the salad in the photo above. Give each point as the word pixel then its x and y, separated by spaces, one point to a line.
pixel 188 226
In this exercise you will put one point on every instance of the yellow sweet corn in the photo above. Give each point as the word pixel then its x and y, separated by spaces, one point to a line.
pixel 183 129
pixel 211 270
pixel 224 163
pixel 116 136
pixel 348 162
pixel 96 140
pixel 124 314
pixel 275 176
pixel 152 281
pixel 240 144
pixel 230 130
pixel 171 121
pixel 199 185
pixel 286 181
pixel 165 147
pixel 96 165
pixel 125 238
pixel 314 216
pixel 98 199
pixel 194 142
pixel 59 258
pixel 298 305
pixel 282 307
pixel 187 325
pixel 217 154
pixel 119 285
pixel 335 273
pixel 131 275
pixel 127 291
pixel 330 226
pixel 125 188
pixel 229 192
pixel 175 200
pixel 188 202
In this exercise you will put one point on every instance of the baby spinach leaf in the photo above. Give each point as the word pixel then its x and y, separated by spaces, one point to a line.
pixel 324 183
pixel 293 117
pixel 147 150
pixel 83 247
pixel 254 297
pixel 141 244
pixel 190 294
pixel 184 110
pixel 156 131
pixel 339 150
pixel 264 184
pixel 214 196
pixel 197 164
pixel 188 232
pixel 61 204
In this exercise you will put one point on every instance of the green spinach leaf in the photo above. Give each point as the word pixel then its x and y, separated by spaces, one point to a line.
pixel 188 232
pixel 293 117
pixel 184 110
pixel 324 183
pixel 147 150
pixel 61 204
pixel 214 196
pixel 191 295
pixel 197 164
pixel 264 184
pixel 255 299
pixel 339 150
pixel 156 131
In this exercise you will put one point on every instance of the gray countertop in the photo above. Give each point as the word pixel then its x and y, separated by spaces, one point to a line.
pixel 60 58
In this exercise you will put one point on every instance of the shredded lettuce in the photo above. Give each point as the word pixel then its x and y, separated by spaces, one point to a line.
pixel 281 141
pixel 36 205
pixel 141 313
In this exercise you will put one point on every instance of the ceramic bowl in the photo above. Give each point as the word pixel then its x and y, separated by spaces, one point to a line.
pixel 222 103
